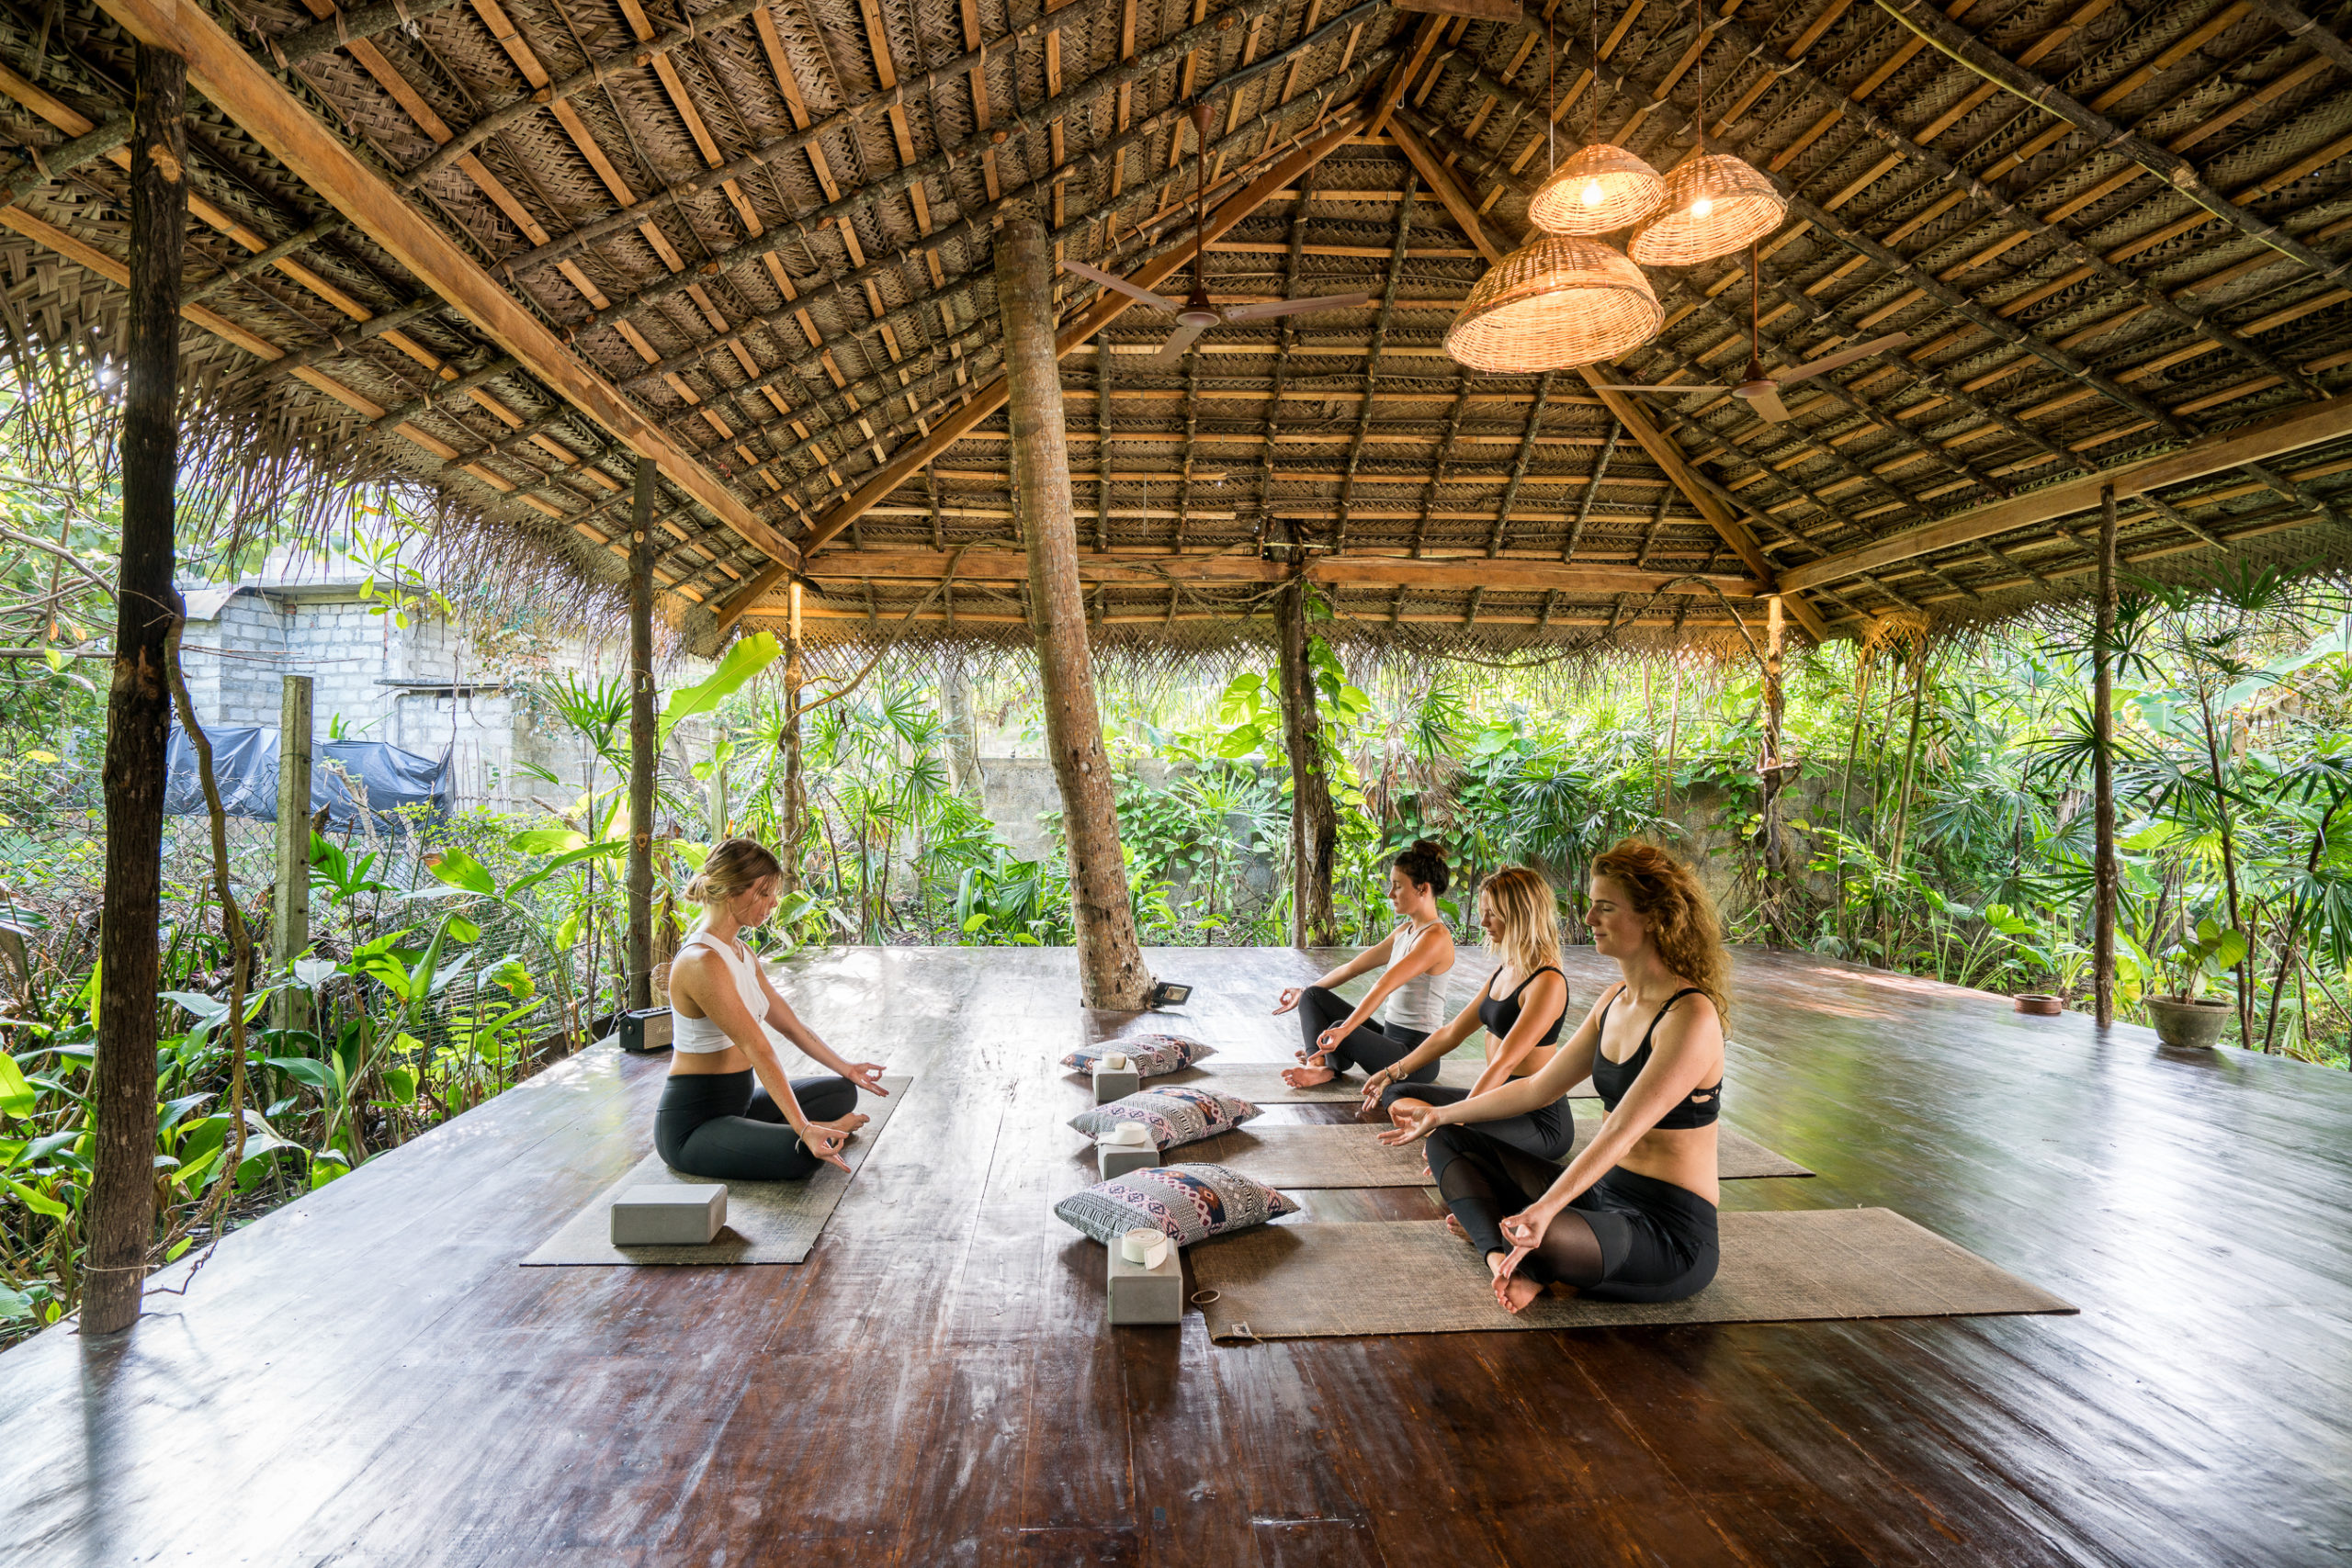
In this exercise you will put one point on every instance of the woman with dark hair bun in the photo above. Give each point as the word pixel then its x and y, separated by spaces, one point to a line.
pixel 1414 960
pixel 713 1122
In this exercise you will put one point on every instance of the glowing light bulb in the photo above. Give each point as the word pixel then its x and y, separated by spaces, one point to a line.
pixel 1592 193
pixel 1702 207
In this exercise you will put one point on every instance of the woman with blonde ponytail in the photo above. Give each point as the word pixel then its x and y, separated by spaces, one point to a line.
pixel 1519 1007
pixel 1632 1217
pixel 713 1122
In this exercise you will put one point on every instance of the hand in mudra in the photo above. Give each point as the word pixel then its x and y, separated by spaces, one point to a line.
pixel 1374 1086
pixel 868 1076
pixel 825 1143
pixel 1413 1122
pixel 1287 1000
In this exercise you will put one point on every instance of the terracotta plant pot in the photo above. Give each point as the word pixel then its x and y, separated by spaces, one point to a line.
pixel 2191 1026
pixel 2038 1004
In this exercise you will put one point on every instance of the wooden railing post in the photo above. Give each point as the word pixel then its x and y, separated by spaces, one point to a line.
pixel 289 906
pixel 123 1090
pixel 1110 960
pixel 795 803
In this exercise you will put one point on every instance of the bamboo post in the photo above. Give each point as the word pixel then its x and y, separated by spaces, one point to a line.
pixel 642 744
pixel 1313 827
pixel 1110 961
pixel 1902 797
pixel 122 1087
pixel 1770 771
pixel 795 801
pixel 289 903
pixel 2106 874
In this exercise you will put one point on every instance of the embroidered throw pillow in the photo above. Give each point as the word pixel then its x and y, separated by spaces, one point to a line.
pixel 1185 1202
pixel 1170 1116
pixel 1152 1054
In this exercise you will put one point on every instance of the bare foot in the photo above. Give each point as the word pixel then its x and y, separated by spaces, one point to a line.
pixel 1454 1226
pixel 849 1124
pixel 1519 1290
pixel 1308 1077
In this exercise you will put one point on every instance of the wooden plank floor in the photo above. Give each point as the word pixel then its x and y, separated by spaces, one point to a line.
pixel 366 1377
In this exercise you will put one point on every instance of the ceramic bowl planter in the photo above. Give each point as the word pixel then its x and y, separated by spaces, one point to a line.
pixel 2192 1026
pixel 2038 1004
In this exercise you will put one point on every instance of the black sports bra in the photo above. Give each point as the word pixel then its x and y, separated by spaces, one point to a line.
pixel 1611 1079
pixel 1500 1014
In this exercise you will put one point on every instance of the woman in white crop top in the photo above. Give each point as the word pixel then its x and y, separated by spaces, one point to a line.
pixel 713 1122
pixel 1414 960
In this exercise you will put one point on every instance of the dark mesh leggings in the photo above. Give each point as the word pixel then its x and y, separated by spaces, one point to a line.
pixel 717 1126
pixel 1629 1238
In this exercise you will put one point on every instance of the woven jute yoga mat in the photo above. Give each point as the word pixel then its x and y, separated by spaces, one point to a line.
pixel 1309 1280
pixel 767 1222
pixel 1340 1154
pixel 1260 1083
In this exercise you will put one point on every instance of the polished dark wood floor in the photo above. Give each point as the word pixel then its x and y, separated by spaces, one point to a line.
pixel 366 1377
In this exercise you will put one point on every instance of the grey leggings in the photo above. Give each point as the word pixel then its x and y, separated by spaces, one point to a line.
pixel 717 1125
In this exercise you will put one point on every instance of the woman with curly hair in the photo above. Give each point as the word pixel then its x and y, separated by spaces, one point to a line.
pixel 1632 1217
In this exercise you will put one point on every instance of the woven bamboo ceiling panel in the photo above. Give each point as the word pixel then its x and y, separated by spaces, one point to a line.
pixel 2114 234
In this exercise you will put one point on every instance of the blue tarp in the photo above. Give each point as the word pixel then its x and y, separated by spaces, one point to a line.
pixel 244 765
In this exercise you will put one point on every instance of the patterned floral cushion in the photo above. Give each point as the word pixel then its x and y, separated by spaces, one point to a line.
pixel 1152 1054
pixel 1170 1115
pixel 1185 1202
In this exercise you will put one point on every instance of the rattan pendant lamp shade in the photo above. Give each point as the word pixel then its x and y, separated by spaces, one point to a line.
pixel 1558 301
pixel 1599 190
pixel 1714 205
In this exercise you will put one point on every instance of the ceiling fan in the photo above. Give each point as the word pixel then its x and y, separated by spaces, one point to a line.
pixel 1760 390
pixel 1193 314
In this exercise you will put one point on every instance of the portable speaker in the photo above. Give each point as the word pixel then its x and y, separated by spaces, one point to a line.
pixel 645 1031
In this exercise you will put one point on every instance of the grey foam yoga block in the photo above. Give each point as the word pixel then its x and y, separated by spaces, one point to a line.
pixel 669 1216
pixel 1116 1160
pixel 1141 1295
pixel 1112 1084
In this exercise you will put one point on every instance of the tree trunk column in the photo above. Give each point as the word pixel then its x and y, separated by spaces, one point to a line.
pixel 1769 775
pixel 1313 827
pixel 2106 876
pixel 122 1086
pixel 1110 962
pixel 642 743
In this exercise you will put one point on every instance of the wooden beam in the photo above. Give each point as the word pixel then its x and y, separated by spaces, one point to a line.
pixel 1457 203
pixel 2304 425
pixel 220 67
pixel 997 564
pixel 990 398
pixel 1734 533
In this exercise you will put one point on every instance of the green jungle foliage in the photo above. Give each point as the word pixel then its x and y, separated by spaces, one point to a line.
pixel 1931 810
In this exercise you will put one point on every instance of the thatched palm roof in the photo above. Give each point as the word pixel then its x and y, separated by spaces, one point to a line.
pixel 758 236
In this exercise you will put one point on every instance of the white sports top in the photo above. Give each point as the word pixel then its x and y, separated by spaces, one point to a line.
pixel 1419 1002
pixel 702 1037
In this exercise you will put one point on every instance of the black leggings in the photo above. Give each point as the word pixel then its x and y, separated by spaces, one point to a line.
pixel 1546 1133
pixel 1627 1238
pixel 1370 1046
pixel 717 1125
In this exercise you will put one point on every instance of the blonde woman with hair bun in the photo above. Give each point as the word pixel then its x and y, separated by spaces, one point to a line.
pixel 1632 1217
pixel 1521 1007
pixel 714 1121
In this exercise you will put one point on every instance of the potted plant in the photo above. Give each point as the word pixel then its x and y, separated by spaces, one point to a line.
pixel 2185 1018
